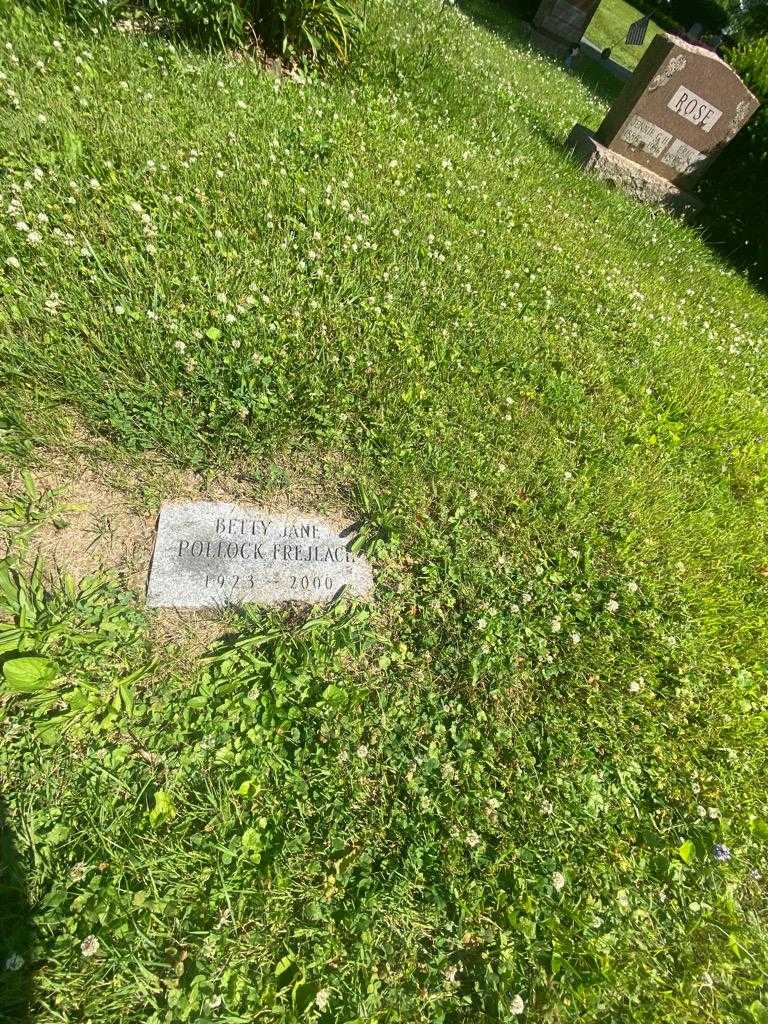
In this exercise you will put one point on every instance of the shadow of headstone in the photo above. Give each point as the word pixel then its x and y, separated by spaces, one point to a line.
pixel 504 18
pixel 16 940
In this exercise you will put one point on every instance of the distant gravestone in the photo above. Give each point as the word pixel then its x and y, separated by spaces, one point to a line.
pixel 682 107
pixel 215 554
pixel 560 24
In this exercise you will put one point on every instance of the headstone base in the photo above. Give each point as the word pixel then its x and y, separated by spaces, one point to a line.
pixel 638 181
pixel 550 44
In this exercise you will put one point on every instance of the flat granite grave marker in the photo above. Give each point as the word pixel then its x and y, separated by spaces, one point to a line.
pixel 215 554
pixel 682 107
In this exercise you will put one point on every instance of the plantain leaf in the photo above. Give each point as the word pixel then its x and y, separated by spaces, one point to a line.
pixel 25 675
pixel 687 851
pixel 163 811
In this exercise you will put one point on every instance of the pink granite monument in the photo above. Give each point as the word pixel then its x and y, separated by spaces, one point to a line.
pixel 680 109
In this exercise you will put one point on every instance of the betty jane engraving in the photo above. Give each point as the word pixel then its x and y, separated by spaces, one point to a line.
pixel 212 554
pixel 693 108
pixel 235 549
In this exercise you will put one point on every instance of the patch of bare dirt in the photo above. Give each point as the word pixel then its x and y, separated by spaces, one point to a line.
pixel 101 514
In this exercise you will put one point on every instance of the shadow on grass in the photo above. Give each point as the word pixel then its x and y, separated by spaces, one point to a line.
pixel 600 82
pixel 508 22
pixel 16 945
pixel 734 221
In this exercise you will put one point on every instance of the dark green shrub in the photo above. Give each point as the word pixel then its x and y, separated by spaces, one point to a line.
pixel 751 20
pixel 221 21
pixel 750 59
pixel 740 175
pixel 86 13
pixel 301 26
pixel 290 27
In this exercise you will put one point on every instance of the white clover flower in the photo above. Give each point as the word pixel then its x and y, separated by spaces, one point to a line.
pixel 558 880
pixel 575 639
pixel 322 999
pixel 472 839
pixel 634 686
pixel 78 871
pixel 119 310
pixel 632 587
pixel 362 751
pixel 517 1006
pixel 89 946
pixel 547 807
pixel 21 225
pixel 556 625
pixel 612 606
pixel 34 237
pixel 13 263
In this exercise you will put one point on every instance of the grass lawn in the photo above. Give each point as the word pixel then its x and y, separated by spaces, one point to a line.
pixel 609 28
pixel 526 780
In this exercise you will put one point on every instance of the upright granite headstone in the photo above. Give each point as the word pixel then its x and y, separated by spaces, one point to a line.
pixel 682 107
pixel 560 24
pixel 216 554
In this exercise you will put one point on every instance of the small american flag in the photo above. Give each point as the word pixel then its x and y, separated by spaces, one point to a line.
pixel 637 30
